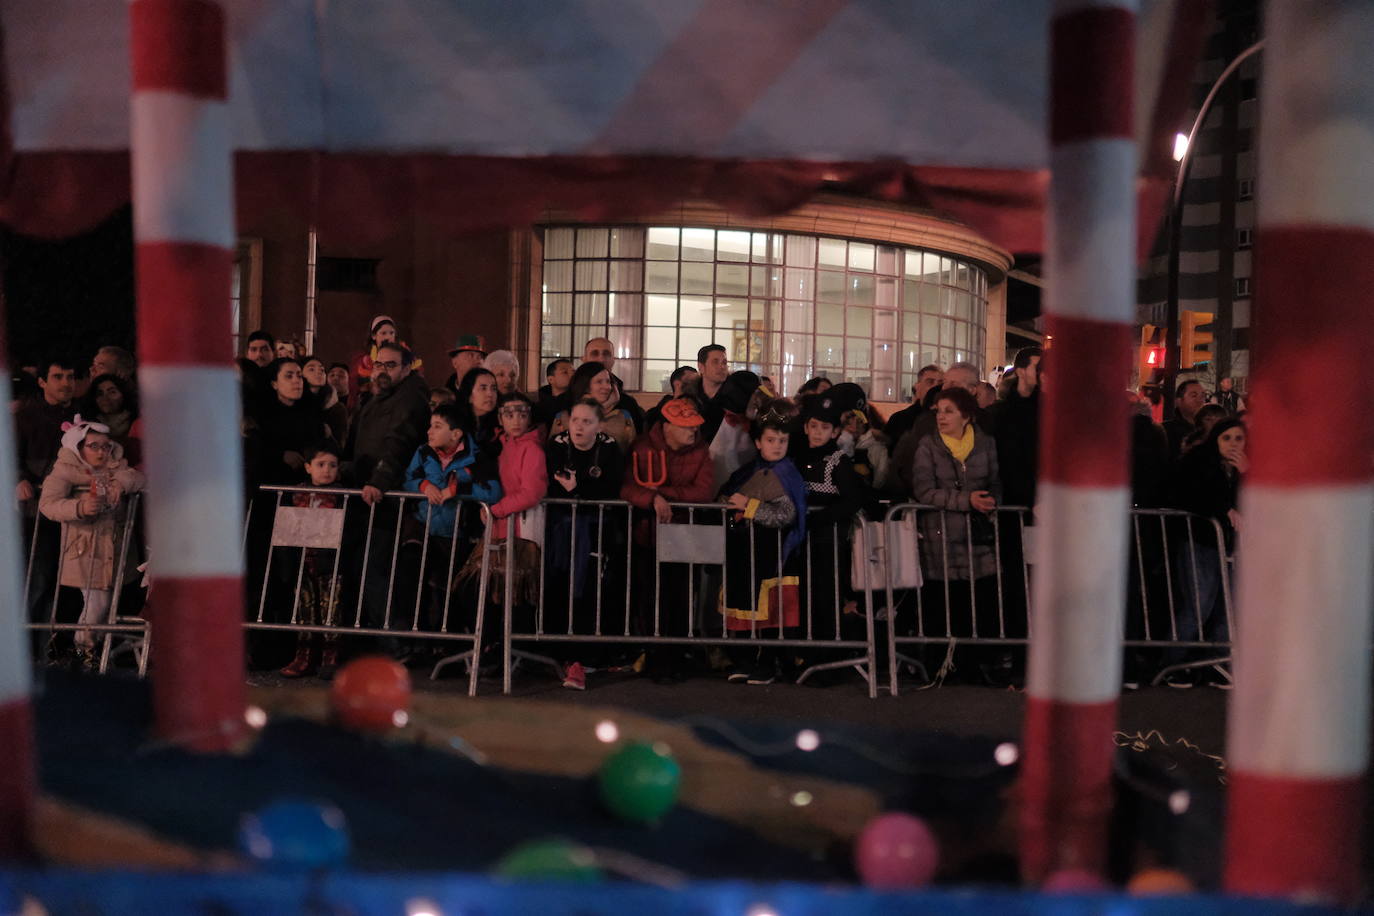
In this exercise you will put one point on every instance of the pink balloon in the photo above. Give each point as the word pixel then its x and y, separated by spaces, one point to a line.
pixel 896 851
pixel 1074 881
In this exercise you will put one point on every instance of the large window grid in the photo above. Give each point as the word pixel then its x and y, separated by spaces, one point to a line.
pixel 787 306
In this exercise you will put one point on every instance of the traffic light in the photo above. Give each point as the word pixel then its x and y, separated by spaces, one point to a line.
pixel 1151 356
pixel 1196 343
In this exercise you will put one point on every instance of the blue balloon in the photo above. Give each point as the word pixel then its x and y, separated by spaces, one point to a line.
pixel 295 835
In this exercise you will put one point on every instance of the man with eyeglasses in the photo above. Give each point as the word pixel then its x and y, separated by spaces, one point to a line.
pixel 383 437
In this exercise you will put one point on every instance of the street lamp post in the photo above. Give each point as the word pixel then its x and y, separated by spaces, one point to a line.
pixel 1172 352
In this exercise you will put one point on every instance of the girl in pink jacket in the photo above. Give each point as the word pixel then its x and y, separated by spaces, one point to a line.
pixel 86 493
pixel 524 477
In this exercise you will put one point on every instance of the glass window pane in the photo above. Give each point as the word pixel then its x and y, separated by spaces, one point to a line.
pixel 829 319
pixel 961 275
pixel 765 281
pixel 801 251
pixel 946 271
pixel 696 312
pixel 887 260
pixel 796 351
pixel 730 311
pixel 911 295
pixel 556 340
pixel 591 275
pixel 663 243
pixel 860 290
pixel 932 267
pixel 886 293
pixel 558 276
pixel 627 242
pixel 930 331
pixel 930 299
pixel 558 243
pixel 698 244
pixel 660 310
pixel 627 370
pixel 800 283
pixel 767 248
pixel 963 306
pixel 797 317
pixel 732 280
pixel 592 243
pixel 947 301
pixel 698 278
pixel 660 343
pixel 626 309
pixel 830 286
pixel 829 352
pixel 861 256
pixel 690 340
pixel 660 277
pixel 946 332
pixel 657 372
pixel 832 253
pixel 858 353
pixel 732 246
pixel 589 309
pixel 627 276
pixel 557 308
pixel 860 322
pixel 961 335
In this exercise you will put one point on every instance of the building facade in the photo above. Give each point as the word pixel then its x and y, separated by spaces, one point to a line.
pixel 848 289
pixel 1218 216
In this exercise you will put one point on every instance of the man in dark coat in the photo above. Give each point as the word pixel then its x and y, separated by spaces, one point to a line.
pixel 387 431
pixel 900 423
pixel 1015 421
pixel 1189 398
pixel 38 435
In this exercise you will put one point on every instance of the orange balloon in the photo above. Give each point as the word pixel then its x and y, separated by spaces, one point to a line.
pixel 1153 882
pixel 371 694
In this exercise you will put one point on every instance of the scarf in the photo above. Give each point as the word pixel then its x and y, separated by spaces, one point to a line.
pixel 961 447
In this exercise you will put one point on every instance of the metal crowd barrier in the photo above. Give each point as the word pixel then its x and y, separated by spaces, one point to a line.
pixel 135 630
pixel 1179 590
pixel 1179 571
pixel 323 529
pixel 697 549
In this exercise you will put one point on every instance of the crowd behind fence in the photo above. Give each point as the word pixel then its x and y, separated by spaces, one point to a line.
pixel 914 588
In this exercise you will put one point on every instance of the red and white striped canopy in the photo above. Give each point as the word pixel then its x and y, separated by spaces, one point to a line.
pixel 487 112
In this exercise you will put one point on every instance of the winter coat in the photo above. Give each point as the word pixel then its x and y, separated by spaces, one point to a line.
pixel 617 423
pixel 90 546
pixel 524 478
pixel 38 434
pixel 386 432
pixel 425 466
pixel 1207 486
pixel 832 487
pixel 689 479
pixel 1017 424
pixel 941 481
pixel 282 429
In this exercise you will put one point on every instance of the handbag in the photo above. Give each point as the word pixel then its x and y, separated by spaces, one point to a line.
pixel 872 566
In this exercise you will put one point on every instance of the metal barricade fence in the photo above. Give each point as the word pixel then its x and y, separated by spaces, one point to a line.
pixel 694 550
pixel 321 531
pixel 122 521
pixel 1179 593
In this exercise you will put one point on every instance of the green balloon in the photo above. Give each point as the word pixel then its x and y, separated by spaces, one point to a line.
pixel 639 783
pixel 550 860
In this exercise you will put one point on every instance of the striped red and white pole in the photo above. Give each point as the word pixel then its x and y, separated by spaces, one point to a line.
pixel 17 779
pixel 1299 728
pixel 1083 500
pixel 184 234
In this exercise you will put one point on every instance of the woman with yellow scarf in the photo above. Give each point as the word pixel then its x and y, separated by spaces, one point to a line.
pixel 956 473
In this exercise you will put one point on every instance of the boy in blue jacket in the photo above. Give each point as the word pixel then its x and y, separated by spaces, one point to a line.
pixel 446 467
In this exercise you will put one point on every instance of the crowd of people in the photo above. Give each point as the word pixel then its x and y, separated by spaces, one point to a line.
pixel 789 474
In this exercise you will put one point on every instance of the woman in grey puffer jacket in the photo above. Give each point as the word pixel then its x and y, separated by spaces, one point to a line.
pixel 956 470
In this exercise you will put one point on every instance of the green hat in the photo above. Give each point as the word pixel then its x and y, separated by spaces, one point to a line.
pixel 469 343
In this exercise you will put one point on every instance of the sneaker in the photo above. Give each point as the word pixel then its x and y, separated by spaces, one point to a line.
pixel 737 676
pixel 762 675
pixel 1181 680
pixel 575 677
